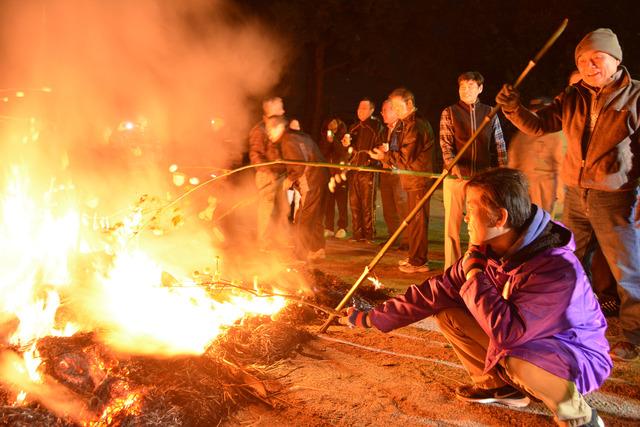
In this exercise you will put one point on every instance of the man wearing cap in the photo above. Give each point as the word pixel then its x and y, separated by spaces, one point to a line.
pixel 600 116
pixel 309 181
pixel 273 207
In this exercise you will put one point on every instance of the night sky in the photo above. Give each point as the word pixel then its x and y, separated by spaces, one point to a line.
pixel 372 46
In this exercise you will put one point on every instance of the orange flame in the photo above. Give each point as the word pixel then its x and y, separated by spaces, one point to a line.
pixel 130 404
pixel 126 300
pixel 141 316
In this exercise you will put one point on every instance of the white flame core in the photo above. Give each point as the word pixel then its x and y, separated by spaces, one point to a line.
pixel 144 317
pixel 124 300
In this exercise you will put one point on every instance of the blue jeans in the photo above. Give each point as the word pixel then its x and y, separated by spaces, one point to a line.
pixel 613 219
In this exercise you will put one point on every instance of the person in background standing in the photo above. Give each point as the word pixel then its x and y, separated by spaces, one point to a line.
pixel 457 123
pixel 540 159
pixel 334 151
pixel 273 208
pixel 600 116
pixel 416 142
pixel 394 198
pixel 310 181
pixel 362 138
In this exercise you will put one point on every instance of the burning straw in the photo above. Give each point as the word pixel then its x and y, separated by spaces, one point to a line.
pixel 123 390
pixel 142 390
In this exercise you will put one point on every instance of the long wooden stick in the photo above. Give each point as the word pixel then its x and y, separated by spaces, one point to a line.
pixel 439 180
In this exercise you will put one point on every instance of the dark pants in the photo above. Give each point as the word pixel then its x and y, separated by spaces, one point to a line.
pixel 602 280
pixel 361 202
pixel 309 228
pixel 394 201
pixel 613 219
pixel 340 198
pixel 418 229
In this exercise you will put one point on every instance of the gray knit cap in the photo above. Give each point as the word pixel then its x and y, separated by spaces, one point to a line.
pixel 602 39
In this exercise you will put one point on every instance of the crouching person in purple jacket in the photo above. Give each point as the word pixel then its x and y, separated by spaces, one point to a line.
pixel 517 308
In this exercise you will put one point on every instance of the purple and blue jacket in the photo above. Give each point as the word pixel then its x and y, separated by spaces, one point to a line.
pixel 535 303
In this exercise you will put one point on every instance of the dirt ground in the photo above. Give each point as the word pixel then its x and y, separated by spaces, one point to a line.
pixel 358 378
pixel 350 377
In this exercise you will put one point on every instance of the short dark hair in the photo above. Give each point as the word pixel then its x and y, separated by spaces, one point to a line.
pixel 504 188
pixel 403 93
pixel 471 75
pixel 371 103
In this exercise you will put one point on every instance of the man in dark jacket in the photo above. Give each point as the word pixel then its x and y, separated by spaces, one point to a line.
pixel 600 117
pixel 457 123
pixel 416 143
pixel 362 138
pixel 517 309
pixel 334 151
pixel 311 182
pixel 393 197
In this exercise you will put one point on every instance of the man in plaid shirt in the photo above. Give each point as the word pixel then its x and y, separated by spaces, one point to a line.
pixel 457 123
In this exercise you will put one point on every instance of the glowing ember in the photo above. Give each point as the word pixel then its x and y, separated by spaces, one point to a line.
pixel 376 283
pixel 15 376
pixel 130 404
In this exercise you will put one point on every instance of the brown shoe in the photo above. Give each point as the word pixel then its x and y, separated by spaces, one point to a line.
pixel 410 268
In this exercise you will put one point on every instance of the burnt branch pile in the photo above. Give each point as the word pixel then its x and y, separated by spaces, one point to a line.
pixel 124 390
pixel 29 416
pixel 148 391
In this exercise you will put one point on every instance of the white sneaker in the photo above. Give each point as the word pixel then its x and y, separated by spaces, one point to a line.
pixel 328 233
pixel 341 234
pixel 404 261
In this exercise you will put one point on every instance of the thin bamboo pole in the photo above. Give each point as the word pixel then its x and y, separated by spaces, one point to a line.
pixel 440 178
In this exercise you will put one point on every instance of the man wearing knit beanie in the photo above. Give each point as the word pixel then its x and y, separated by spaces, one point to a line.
pixel 598 56
pixel 600 116
pixel 602 39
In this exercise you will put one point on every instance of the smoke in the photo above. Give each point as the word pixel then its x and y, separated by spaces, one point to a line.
pixel 118 89
pixel 114 92
pixel 100 97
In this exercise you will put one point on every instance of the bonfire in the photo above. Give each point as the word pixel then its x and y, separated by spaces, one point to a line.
pixel 97 333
